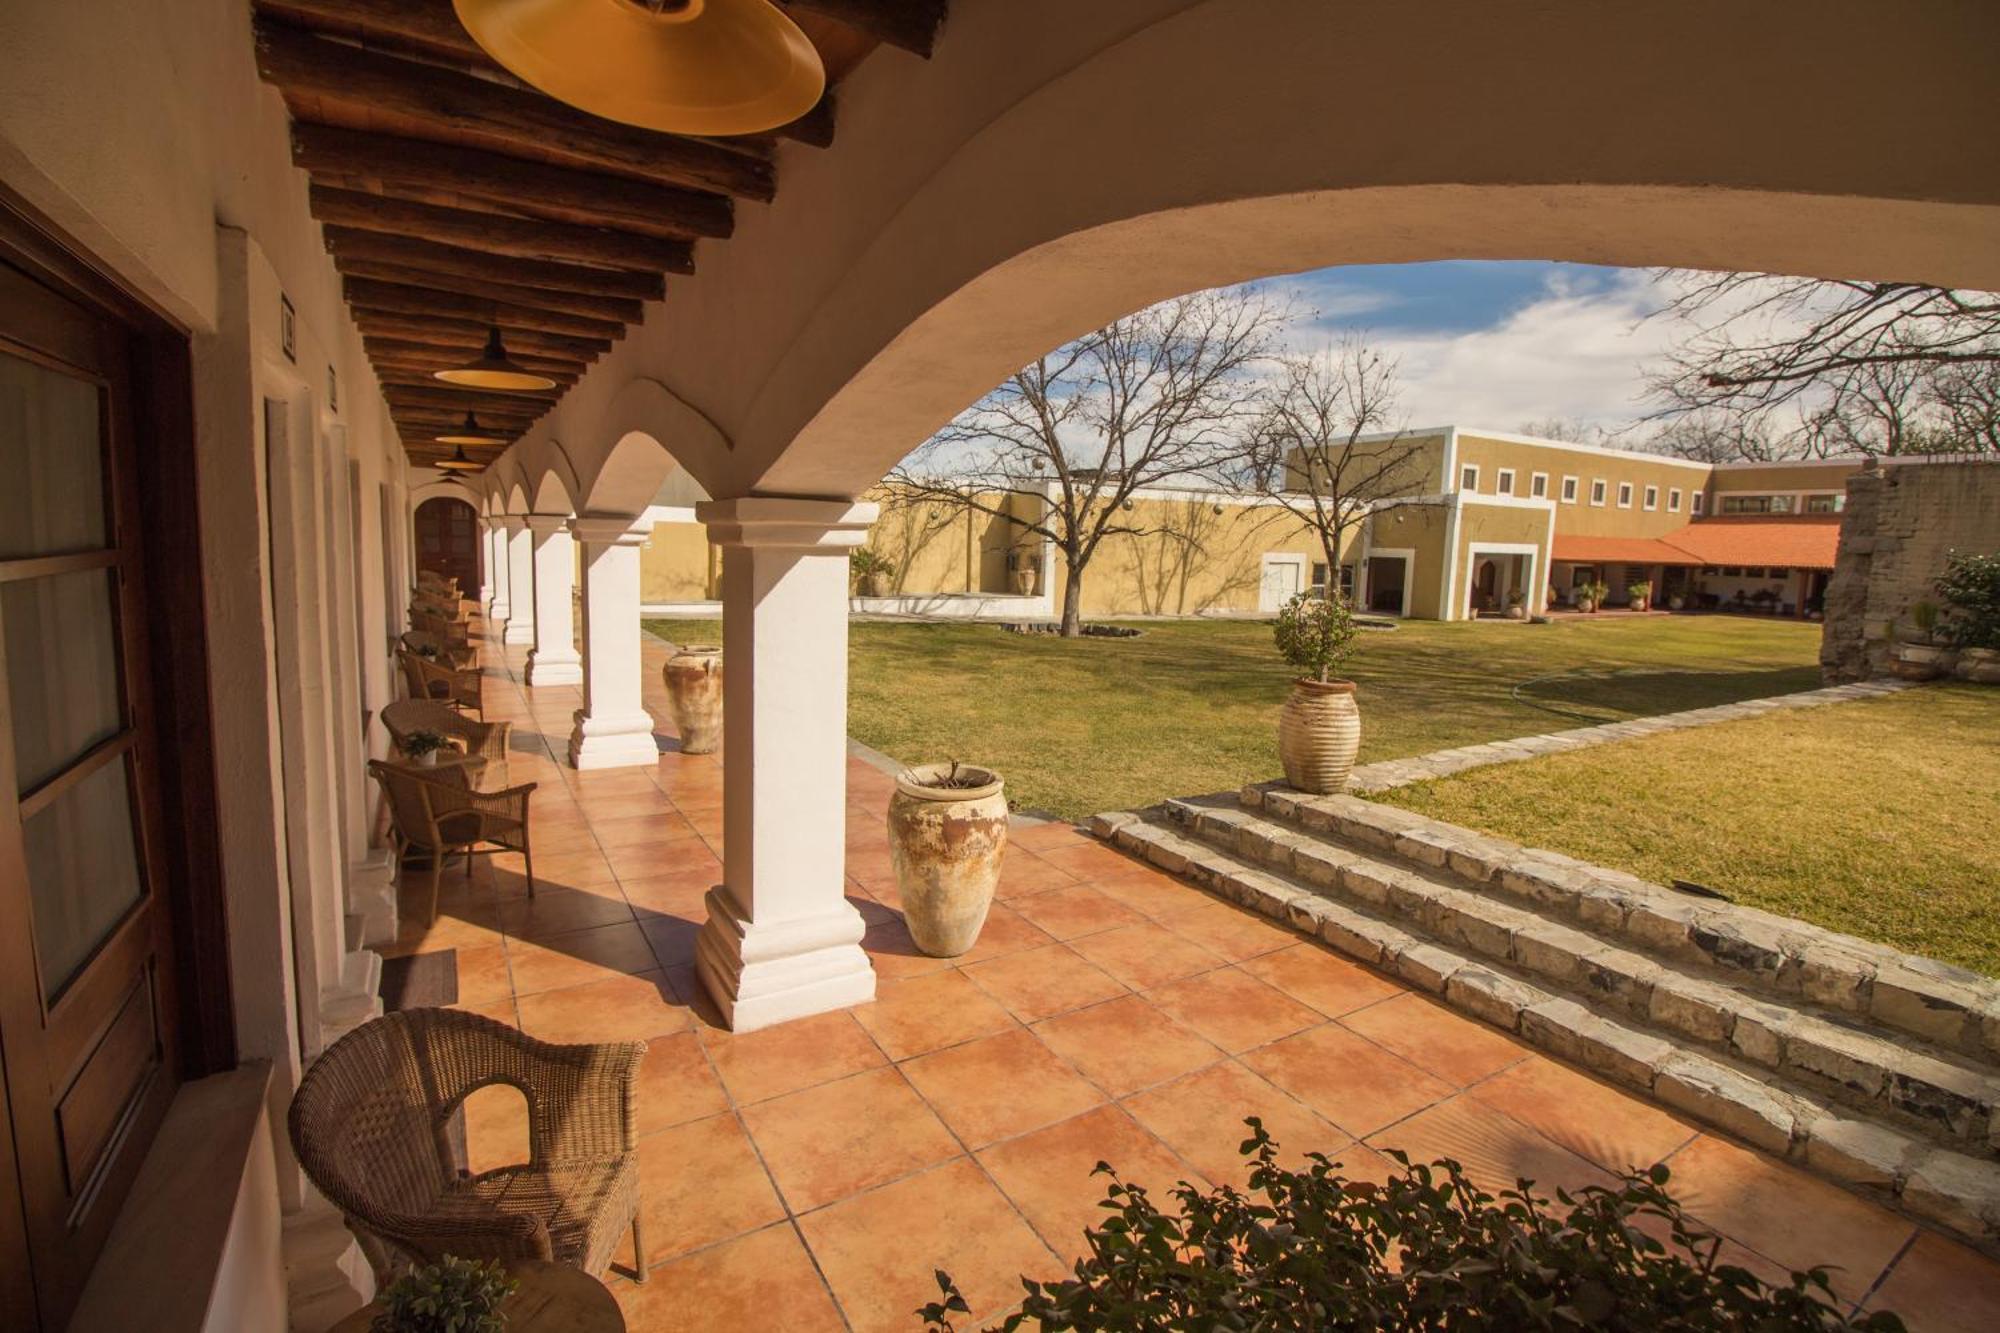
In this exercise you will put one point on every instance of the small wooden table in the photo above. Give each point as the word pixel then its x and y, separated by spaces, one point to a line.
pixel 552 1298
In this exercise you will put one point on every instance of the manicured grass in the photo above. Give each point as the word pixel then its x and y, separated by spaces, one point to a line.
pixel 1874 818
pixel 1078 726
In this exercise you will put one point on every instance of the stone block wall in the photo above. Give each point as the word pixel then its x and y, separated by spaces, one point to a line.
pixel 1900 523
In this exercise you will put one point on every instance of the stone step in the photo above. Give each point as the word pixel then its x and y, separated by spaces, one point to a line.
pixel 1921 1162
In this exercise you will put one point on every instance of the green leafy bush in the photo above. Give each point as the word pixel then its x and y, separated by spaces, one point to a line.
pixel 1427 1251
pixel 863 561
pixel 450 1296
pixel 1315 634
pixel 1971 587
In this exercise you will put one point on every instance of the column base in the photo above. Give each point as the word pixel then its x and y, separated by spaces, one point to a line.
pixel 353 999
pixel 519 634
pixel 550 669
pixel 604 742
pixel 498 611
pixel 371 895
pixel 759 975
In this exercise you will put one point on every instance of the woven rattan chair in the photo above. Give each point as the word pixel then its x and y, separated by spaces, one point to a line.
pixel 430 679
pixel 435 812
pixel 432 620
pixel 485 740
pixel 458 656
pixel 437 586
pixel 370 1126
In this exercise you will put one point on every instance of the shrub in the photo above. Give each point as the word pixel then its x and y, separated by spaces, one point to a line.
pixel 1971 587
pixel 1315 634
pixel 1428 1250
pixel 450 1296
pixel 864 560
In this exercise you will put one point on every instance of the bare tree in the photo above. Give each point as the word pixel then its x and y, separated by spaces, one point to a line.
pixel 1966 400
pixel 1563 428
pixel 1714 436
pixel 909 524
pixel 1311 454
pixel 1149 399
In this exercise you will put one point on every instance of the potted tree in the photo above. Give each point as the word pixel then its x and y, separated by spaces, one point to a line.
pixel 422 747
pixel 1319 727
pixel 1517 605
pixel 947 835
pixel 452 1295
pixel 872 571
pixel 1640 594
pixel 693 677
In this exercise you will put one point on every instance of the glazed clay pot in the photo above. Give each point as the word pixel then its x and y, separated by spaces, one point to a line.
pixel 1319 733
pixel 1024 582
pixel 946 844
pixel 694 692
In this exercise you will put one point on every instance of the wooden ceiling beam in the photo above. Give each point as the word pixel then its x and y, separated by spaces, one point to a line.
pixel 594 307
pixel 470 335
pixel 403 377
pixel 449 346
pixel 451 397
pixel 392 365
pixel 395 298
pixel 525 238
pixel 592 198
pixel 911 25
pixel 333 82
pixel 390 248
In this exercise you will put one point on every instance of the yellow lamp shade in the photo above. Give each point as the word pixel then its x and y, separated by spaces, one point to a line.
pixel 458 462
pixel 469 433
pixel 684 66
pixel 493 369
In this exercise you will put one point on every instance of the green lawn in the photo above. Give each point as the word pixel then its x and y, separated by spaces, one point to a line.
pixel 1078 726
pixel 1874 818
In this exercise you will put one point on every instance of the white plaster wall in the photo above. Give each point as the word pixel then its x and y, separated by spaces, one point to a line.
pixel 249 1290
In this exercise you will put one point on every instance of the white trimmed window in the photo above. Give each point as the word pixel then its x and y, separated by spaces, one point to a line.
pixel 1695 502
pixel 1673 499
pixel 1503 481
pixel 1468 477
pixel 1569 490
pixel 1624 495
pixel 1598 486
pixel 1652 500
pixel 1538 485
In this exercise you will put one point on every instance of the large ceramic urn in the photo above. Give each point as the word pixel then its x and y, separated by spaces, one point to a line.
pixel 1319 733
pixel 947 834
pixel 694 693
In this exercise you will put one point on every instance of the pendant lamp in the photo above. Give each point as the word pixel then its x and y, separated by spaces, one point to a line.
pixel 470 433
pixel 458 462
pixel 494 369
pixel 683 66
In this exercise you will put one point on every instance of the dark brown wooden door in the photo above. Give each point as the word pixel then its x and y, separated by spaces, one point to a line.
pixel 87 999
pixel 448 542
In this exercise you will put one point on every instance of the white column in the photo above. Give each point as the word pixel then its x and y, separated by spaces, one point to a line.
pixel 613 728
pixel 497 609
pixel 520 582
pixel 554 660
pixel 781 940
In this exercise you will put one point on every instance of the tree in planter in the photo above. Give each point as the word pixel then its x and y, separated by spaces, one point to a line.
pixel 1155 398
pixel 452 1295
pixel 870 569
pixel 1314 1250
pixel 1319 727
pixel 1640 593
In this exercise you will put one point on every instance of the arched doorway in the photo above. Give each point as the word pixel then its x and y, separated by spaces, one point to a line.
pixel 1485 586
pixel 448 541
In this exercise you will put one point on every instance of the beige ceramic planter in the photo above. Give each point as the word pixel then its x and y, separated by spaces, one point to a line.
pixel 1319 733
pixel 694 692
pixel 946 844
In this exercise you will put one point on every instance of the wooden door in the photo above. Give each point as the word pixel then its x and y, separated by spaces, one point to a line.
pixel 448 542
pixel 87 994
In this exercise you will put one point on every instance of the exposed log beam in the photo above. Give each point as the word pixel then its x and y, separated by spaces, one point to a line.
pixel 391 364
pixel 434 422
pixel 502 235
pixel 594 307
pixel 444 331
pixel 449 347
pixel 450 398
pixel 566 194
pixel 336 83
pixel 387 247
pixel 910 24
pixel 394 298
pixel 398 377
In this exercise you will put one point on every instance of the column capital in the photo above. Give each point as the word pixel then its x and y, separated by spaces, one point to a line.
pixel 783 521
pixel 511 522
pixel 610 529
pixel 546 522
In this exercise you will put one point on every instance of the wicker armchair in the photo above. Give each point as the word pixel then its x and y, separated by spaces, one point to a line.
pixel 369 1125
pixel 439 680
pixel 484 740
pixel 438 586
pixel 436 811
pixel 458 656
pixel 431 620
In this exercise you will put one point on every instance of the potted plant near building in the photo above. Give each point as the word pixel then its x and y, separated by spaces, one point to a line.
pixel 422 747
pixel 872 571
pixel 1590 597
pixel 947 836
pixel 1640 594
pixel 1517 605
pixel 1319 728
pixel 693 677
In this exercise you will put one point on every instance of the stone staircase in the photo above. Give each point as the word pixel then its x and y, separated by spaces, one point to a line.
pixel 1873 1067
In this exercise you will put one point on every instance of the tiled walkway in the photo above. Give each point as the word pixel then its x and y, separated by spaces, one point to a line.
pixel 811 1176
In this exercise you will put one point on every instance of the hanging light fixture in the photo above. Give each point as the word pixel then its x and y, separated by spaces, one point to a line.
pixel 458 462
pixel 470 433
pixel 684 66
pixel 493 369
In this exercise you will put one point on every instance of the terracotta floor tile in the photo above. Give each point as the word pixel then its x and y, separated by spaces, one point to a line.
pixel 681 893
pixel 557 911
pixel 839 1138
pixel 673 938
pixel 686 856
pixel 1347 1079
pixel 1145 955
pixel 1496 1151
pixel 1000 1086
pixel 756 1066
pixel 1049 1173
pixel 1047 837
pixel 561 838
pixel 895 955
pixel 1233 1009
pixel 676 1085
pixel 580 869
pixel 1201 1118
pixel 1089 860
pixel 1228 930
pixel 917 1015
pixel 1436 1040
pixel 604 809
pixel 1073 910
pixel 879 1249
pixel 1151 893
pixel 642 831
pixel 871 866
pixel 1939 1286
pixel 1023 872
pixel 482 975
pixel 1006 931
pixel 699 1183
pixel 1594 1120
pixel 500 1011
pixel 1317 976
pixel 578 957
pixel 764 1280
pixel 1038 983
pixel 1793 1218
pixel 1126 1044
pixel 630 1008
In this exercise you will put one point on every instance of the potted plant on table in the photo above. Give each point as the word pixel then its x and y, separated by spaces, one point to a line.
pixel 1640 593
pixel 452 1295
pixel 693 677
pixel 423 746
pixel 947 836
pixel 872 571
pixel 1319 728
